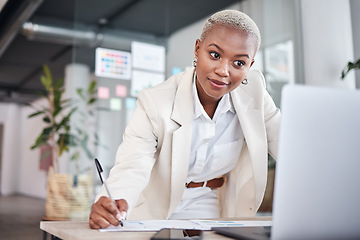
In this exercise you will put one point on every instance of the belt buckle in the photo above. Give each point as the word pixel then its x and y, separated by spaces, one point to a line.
pixel 204 185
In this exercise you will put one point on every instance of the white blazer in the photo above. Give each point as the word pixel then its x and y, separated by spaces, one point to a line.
pixel 153 159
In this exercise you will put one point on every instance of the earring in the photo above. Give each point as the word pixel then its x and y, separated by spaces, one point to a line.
pixel 245 81
pixel 194 61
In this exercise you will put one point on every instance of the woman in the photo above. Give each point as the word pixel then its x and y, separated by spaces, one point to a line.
pixel 197 144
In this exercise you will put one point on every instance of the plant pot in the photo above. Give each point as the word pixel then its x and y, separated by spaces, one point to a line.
pixel 68 197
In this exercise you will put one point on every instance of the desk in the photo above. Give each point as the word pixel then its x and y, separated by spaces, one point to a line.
pixel 75 230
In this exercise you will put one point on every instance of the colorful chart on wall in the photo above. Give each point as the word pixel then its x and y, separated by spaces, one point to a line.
pixel 144 79
pixel 112 63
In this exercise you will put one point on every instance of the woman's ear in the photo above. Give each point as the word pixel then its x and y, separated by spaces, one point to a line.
pixel 197 46
pixel 252 62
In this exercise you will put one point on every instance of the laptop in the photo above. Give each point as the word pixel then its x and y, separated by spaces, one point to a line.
pixel 317 183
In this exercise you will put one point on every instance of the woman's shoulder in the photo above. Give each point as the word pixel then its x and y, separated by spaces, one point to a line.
pixel 256 82
pixel 256 86
pixel 257 77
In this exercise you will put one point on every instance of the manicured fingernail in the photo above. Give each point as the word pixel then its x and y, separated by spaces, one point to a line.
pixel 118 216
pixel 123 215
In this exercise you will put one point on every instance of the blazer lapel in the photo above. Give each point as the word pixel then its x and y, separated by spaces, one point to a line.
pixel 181 146
pixel 252 124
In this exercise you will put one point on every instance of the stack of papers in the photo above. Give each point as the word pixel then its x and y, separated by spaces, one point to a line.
pixel 156 225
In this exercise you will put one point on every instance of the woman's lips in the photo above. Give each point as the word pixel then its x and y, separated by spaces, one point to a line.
pixel 218 84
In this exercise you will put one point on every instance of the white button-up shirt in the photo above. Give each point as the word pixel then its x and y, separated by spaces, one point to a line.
pixel 216 143
pixel 215 148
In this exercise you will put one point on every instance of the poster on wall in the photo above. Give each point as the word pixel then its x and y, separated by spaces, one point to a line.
pixel 144 79
pixel 112 63
pixel 148 56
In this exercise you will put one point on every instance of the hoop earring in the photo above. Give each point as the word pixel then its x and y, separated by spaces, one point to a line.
pixel 194 61
pixel 245 81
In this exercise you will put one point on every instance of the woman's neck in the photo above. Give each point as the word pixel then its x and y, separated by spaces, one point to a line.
pixel 209 103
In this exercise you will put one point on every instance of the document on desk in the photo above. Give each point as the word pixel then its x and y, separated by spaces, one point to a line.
pixel 156 225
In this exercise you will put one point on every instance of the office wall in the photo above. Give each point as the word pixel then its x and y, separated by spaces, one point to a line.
pixel 355 20
pixel 180 47
pixel 327 42
pixel 10 118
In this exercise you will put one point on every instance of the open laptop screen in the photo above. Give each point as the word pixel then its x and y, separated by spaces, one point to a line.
pixel 317 186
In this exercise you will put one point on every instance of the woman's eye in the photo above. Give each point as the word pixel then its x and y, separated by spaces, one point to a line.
pixel 239 63
pixel 215 54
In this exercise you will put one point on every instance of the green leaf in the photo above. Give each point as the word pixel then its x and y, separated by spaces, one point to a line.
pixel 80 93
pixel 47 119
pixel 91 101
pixel 61 143
pixel 46 79
pixel 47 131
pixel 65 140
pixel 59 84
pixel 64 101
pixel 36 114
pixel 42 138
pixel 64 123
pixel 57 97
pixel 57 110
pixel 46 83
pixel 91 87
pixel 47 71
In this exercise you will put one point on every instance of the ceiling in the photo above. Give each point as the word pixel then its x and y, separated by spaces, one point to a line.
pixel 37 32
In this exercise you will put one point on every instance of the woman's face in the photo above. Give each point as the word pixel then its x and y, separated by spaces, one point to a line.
pixel 224 58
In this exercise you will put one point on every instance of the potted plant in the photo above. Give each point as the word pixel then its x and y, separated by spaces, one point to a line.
pixel 56 117
pixel 68 196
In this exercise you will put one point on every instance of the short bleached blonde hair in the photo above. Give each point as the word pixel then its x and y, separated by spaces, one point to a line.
pixel 234 19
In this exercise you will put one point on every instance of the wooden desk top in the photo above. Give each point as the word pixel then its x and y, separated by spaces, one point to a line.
pixel 76 230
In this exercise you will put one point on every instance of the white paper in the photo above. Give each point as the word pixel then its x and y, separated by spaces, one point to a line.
pixel 156 225
pixel 212 223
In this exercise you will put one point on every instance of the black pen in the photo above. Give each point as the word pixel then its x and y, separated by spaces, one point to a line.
pixel 100 171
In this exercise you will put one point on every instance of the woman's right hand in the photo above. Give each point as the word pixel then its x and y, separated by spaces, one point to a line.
pixel 106 212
